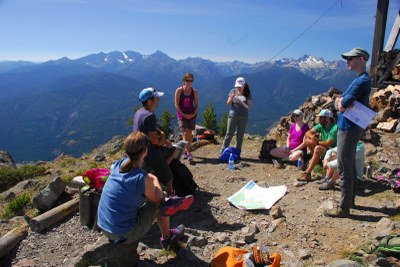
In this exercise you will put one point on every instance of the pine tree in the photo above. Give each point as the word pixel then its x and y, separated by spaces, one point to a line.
pixel 209 118
pixel 223 124
pixel 165 122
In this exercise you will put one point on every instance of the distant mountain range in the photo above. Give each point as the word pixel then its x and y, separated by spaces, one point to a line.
pixel 71 106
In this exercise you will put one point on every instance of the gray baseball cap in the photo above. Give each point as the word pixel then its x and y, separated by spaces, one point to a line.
pixel 356 52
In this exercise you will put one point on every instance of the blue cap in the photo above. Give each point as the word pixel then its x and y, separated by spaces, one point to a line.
pixel 148 93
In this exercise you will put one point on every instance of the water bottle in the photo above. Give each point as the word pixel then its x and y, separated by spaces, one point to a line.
pixel 231 162
pixel 299 163
pixel 368 172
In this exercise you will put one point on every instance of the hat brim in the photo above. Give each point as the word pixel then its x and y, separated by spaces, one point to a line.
pixel 158 94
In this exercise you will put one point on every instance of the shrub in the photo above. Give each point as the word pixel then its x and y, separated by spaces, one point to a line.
pixel 165 121
pixel 223 124
pixel 16 206
pixel 10 176
pixel 209 118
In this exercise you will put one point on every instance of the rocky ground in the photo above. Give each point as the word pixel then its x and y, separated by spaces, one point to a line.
pixel 302 235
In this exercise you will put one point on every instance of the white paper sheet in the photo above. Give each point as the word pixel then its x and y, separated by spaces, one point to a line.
pixel 359 114
pixel 253 197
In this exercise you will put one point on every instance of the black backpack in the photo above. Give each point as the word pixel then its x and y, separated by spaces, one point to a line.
pixel 265 153
pixel 183 182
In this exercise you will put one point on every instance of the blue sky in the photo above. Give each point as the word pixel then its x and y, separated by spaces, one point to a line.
pixel 219 30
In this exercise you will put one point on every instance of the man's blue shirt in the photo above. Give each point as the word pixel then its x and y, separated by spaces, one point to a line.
pixel 359 90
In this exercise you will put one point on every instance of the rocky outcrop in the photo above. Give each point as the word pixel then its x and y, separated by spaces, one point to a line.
pixel 6 160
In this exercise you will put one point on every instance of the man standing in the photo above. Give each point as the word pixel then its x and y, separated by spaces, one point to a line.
pixel 349 133
pixel 160 151
pixel 328 130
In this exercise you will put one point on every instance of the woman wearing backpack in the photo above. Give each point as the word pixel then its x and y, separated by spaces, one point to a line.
pixel 239 101
pixel 187 105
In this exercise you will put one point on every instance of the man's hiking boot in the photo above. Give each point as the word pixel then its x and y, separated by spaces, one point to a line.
pixel 172 242
pixel 175 204
pixel 337 213
pixel 328 185
pixel 304 177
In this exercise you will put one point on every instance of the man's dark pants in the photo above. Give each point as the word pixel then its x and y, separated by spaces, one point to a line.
pixel 346 155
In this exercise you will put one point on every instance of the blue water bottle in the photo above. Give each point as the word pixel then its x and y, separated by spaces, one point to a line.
pixel 231 162
pixel 300 163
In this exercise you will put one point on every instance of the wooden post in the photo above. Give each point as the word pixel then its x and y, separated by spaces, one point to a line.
pixel 12 238
pixel 54 215
pixel 394 34
pixel 379 34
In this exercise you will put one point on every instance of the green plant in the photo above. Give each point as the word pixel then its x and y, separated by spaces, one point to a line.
pixel 11 176
pixel 223 124
pixel 318 169
pixel 374 164
pixel 16 205
pixel 165 122
pixel 93 165
pixel 209 118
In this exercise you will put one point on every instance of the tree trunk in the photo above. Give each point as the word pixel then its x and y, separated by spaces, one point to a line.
pixel 54 215
pixel 12 238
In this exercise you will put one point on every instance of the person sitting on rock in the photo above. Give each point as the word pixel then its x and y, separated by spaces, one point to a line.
pixel 293 151
pixel 332 174
pixel 132 199
pixel 327 129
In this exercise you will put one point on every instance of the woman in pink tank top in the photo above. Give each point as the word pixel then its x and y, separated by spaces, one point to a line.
pixel 186 104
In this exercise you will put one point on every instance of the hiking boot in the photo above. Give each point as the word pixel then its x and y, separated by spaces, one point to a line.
pixel 175 204
pixel 323 180
pixel 337 213
pixel 304 177
pixel 328 185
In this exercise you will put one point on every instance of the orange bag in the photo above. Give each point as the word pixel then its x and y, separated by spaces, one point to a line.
pixel 233 257
pixel 228 257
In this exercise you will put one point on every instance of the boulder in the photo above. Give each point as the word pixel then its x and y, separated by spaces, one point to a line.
pixel 47 197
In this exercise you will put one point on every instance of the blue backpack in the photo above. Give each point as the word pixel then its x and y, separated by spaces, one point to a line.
pixel 227 152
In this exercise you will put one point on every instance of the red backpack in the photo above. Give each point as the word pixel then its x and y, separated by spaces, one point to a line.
pixel 96 177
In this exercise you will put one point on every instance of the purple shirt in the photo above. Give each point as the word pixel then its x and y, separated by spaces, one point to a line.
pixel 296 137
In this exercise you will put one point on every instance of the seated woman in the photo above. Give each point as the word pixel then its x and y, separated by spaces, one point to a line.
pixel 293 149
pixel 132 199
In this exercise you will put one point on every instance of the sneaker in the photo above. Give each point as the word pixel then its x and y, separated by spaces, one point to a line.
pixel 171 244
pixel 177 232
pixel 185 155
pixel 277 164
pixel 328 185
pixel 323 180
pixel 189 156
pixel 176 204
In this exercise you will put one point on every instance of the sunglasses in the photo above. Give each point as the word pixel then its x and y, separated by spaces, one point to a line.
pixel 189 81
pixel 351 58
pixel 295 116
